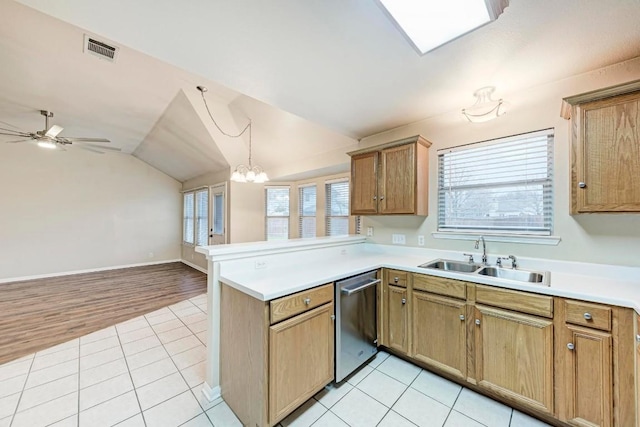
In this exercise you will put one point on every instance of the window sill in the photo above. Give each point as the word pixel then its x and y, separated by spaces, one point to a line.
pixel 528 239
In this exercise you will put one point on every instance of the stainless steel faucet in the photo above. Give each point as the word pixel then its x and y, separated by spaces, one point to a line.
pixel 484 249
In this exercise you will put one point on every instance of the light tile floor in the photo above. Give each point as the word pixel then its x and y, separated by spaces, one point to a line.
pixel 149 371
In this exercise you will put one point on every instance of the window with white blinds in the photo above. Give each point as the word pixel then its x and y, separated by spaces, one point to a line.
pixel 276 213
pixel 502 186
pixel 188 211
pixel 337 208
pixel 202 217
pixel 218 213
pixel 307 210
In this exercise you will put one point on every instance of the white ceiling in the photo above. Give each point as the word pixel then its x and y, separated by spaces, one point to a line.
pixel 342 65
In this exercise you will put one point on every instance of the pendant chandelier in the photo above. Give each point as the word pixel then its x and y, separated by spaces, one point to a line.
pixel 242 173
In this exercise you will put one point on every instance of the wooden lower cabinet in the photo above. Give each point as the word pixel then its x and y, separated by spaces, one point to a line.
pixel 514 356
pixel 397 319
pixel 588 396
pixel 301 359
pixel 439 333
pixel 268 369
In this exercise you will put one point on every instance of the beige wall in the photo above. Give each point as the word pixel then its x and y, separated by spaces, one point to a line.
pixel 64 211
pixel 600 238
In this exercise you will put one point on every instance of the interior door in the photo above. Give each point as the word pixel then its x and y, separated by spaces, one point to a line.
pixel 218 225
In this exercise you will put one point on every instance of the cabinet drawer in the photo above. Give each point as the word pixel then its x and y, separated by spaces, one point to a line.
pixel 285 307
pixel 540 305
pixel 397 278
pixel 440 286
pixel 587 314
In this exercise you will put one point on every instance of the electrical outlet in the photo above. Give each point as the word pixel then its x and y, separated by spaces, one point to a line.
pixel 421 240
pixel 343 251
pixel 398 239
pixel 369 231
pixel 260 264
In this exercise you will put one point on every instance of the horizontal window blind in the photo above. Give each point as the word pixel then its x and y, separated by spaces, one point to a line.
pixel 337 208
pixel 276 213
pixel 202 217
pixel 218 213
pixel 501 186
pixel 187 218
pixel 307 211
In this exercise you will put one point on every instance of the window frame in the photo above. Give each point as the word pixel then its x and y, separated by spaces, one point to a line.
pixel 195 219
pixel 266 210
pixel 514 232
pixel 301 215
pixel 328 216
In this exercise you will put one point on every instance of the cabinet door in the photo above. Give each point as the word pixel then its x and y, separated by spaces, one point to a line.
pixel 397 318
pixel 588 393
pixel 606 156
pixel 439 333
pixel 364 184
pixel 514 356
pixel 397 192
pixel 300 359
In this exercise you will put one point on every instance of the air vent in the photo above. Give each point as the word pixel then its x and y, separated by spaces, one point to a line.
pixel 100 49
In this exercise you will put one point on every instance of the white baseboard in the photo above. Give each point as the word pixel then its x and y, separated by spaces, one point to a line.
pixel 90 270
pixel 192 265
pixel 213 395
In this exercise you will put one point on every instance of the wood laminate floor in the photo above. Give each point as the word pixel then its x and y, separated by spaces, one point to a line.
pixel 37 314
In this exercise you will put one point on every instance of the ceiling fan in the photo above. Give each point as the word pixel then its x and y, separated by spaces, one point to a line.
pixel 48 138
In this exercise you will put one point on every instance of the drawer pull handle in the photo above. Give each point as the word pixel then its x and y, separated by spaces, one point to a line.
pixel 478 322
pixel 307 301
pixel 570 346
pixel 462 317
pixel 587 316
pixel 404 301
pixel 395 279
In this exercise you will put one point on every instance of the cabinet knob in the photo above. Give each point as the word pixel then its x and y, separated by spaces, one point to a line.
pixel 404 301
pixel 587 316
pixel 478 322
pixel 333 317
pixel 462 317
pixel 582 184
pixel 381 197
pixel 395 279
pixel 375 198
pixel 307 301
pixel 638 337
pixel 570 346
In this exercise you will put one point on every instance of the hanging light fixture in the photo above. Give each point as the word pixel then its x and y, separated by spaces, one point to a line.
pixel 485 108
pixel 242 173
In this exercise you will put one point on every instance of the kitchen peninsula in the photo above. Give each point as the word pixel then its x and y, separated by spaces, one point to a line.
pixel 595 306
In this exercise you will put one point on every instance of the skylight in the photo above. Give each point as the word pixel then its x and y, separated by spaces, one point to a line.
pixel 432 23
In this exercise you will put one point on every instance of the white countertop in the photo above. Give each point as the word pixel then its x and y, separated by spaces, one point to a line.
pixel 268 271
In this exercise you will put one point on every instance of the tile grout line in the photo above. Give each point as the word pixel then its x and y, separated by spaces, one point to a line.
pixel 15 411
pixel 135 390
pixel 79 355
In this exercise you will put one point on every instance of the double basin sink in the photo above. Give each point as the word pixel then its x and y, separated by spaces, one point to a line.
pixel 515 274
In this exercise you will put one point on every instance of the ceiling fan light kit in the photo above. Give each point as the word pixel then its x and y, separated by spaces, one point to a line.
pixel 242 173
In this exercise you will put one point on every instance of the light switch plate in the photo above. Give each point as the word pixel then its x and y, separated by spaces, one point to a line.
pixel 369 231
pixel 421 240
pixel 398 239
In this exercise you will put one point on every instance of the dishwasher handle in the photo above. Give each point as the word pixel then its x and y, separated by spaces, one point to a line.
pixel 349 290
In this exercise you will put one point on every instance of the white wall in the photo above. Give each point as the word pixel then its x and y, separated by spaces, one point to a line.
pixel 599 238
pixel 64 211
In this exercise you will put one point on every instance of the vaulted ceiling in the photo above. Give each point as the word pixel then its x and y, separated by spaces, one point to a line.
pixel 312 75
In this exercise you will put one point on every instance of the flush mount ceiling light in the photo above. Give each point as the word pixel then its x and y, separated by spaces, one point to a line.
pixel 485 108
pixel 431 23
pixel 242 173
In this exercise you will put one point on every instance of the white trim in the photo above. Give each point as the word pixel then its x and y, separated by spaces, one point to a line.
pixel 529 239
pixel 535 134
pixel 335 180
pixel 212 394
pixel 192 265
pixel 89 270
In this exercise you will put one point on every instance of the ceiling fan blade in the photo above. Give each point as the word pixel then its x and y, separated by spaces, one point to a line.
pixel 10 125
pixel 54 131
pixel 90 149
pixel 100 147
pixel 14 142
pixel 14 132
pixel 72 139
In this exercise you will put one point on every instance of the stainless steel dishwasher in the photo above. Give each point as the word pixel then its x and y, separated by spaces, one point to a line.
pixel 356 322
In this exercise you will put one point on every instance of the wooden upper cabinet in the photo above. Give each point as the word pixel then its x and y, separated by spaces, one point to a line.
pixel 391 179
pixel 605 152
pixel 364 184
